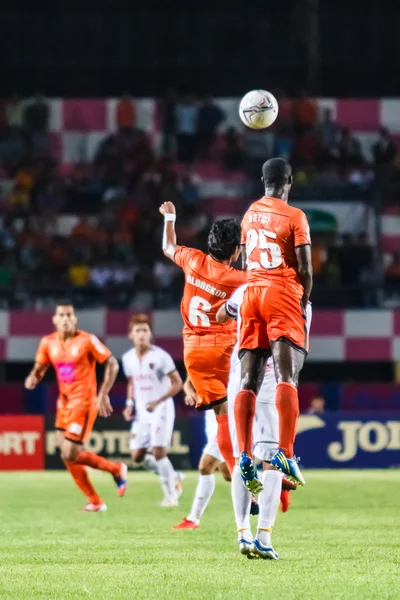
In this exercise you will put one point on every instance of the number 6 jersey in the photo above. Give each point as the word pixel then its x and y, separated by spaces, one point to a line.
pixel 208 284
pixel 271 229
pixel 207 344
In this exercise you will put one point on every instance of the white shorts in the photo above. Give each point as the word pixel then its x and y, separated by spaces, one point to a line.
pixel 211 447
pixel 266 424
pixel 156 432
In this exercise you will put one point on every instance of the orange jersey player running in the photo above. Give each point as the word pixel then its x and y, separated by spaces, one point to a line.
pixel 273 316
pixel 74 354
pixel 209 282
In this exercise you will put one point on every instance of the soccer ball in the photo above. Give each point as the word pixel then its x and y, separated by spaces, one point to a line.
pixel 258 109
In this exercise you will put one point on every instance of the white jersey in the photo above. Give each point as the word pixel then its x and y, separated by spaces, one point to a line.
pixel 150 378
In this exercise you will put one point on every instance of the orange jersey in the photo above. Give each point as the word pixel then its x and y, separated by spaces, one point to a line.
pixel 74 362
pixel 208 285
pixel 271 230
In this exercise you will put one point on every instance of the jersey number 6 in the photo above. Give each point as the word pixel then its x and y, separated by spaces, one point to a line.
pixel 197 312
pixel 270 253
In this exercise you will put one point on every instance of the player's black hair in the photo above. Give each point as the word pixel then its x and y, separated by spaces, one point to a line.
pixel 224 238
pixel 64 302
pixel 276 172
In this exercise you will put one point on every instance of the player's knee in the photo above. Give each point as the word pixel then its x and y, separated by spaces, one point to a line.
pixel 248 384
pixel 225 473
pixel 138 456
pixel 69 453
pixel 159 452
pixel 207 465
pixel 291 378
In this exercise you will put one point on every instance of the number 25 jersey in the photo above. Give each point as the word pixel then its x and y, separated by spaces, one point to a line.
pixel 208 285
pixel 271 230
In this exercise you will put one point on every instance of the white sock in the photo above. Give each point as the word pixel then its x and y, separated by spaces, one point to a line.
pixel 167 477
pixel 204 490
pixel 269 503
pixel 241 498
pixel 150 464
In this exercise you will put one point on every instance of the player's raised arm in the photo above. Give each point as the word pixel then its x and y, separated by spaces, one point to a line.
pixel 169 244
pixel 42 362
pixel 305 271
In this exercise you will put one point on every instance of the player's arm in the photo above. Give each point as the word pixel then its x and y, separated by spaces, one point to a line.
pixel 169 245
pixel 110 375
pixel 173 390
pixel 130 400
pixel 190 393
pixel 229 310
pixel 42 363
pixel 35 376
pixel 244 256
pixel 305 271
pixel 302 246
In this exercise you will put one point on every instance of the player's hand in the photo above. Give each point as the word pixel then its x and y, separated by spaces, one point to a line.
pixel 190 393
pixel 31 382
pixel 151 406
pixel 167 209
pixel 104 404
pixel 127 413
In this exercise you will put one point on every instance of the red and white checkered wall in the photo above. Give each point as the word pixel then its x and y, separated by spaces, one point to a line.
pixel 335 335
pixel 78 125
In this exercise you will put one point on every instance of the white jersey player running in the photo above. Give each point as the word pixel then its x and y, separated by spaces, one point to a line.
pixel 265 442
pixel 210 460
pixel 153 381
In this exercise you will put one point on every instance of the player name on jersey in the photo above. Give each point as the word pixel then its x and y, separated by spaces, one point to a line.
pixel 205 286
pixel 259 218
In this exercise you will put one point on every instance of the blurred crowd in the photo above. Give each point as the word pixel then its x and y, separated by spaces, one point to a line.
pixel 94 232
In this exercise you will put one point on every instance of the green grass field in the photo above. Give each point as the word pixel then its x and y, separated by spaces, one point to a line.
pixel 339 540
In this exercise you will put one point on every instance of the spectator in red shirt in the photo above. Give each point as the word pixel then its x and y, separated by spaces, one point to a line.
pixel 126 113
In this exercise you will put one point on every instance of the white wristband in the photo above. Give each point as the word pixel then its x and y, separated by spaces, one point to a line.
pixel 170 217
pixel 129 402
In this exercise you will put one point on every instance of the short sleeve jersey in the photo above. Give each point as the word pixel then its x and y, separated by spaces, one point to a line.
pixel 74 362
pixel 271 230
pixel 150 377
pixel 208 284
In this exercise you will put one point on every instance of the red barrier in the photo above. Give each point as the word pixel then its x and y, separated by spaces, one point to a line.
pixel 21 443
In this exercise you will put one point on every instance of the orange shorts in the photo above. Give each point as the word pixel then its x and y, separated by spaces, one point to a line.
pixel 208 370
pixel 77 422
pixel 267 314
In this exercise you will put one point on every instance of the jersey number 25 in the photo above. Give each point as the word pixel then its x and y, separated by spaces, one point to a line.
pixel 270 253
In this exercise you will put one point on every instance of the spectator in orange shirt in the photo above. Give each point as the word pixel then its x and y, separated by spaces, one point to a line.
pixel 126 113
pixel 305 112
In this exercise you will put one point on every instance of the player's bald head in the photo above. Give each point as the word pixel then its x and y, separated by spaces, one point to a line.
pixel 276 173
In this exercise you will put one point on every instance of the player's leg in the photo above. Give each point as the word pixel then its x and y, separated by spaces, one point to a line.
pixel 77 433
pixel 161 430
pixel 266 435
pixel 252 372
pixel 208 370
pixel 223 435
pixel 139 446
pixel 204 491
pixel 269 504
pixel 78 472
pixel 242 499
pixel 288 362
